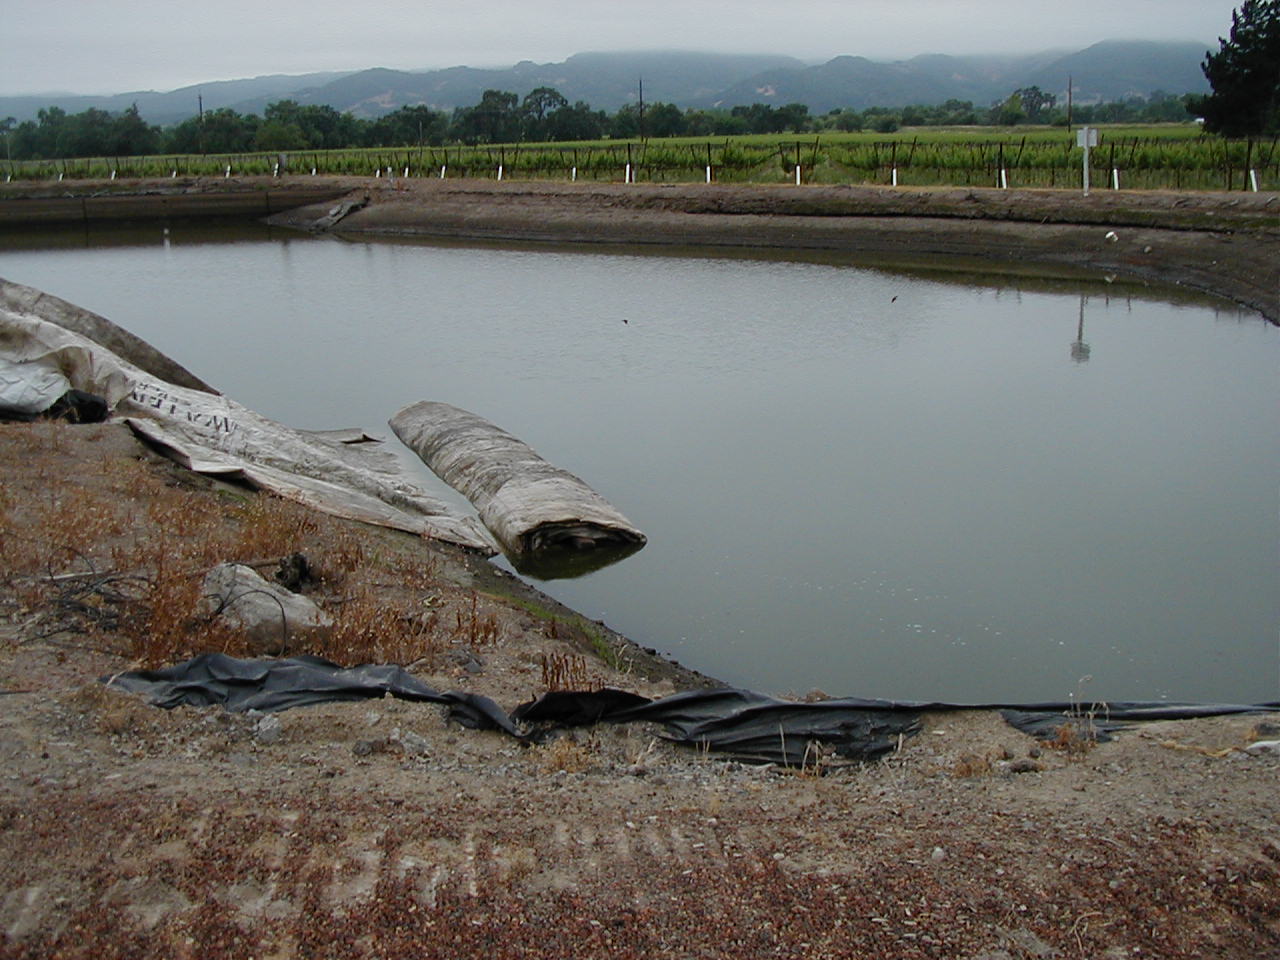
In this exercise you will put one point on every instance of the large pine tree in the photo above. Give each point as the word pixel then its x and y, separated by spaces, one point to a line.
pixel 1245 74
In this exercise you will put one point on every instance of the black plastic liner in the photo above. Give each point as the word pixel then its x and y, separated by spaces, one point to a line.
pixel 270 686
pixel 741 723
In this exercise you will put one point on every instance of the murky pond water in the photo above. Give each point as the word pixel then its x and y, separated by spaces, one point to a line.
pixel 875 483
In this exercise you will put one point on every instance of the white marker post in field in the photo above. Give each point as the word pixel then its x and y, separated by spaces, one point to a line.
pixel 1086 137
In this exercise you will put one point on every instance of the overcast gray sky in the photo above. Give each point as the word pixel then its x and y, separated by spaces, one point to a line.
pixel 91 46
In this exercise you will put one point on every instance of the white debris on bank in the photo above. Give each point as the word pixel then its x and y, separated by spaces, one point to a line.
pixel 214 435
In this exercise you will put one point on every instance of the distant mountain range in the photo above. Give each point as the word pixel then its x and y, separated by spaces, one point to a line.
pixel 1110 70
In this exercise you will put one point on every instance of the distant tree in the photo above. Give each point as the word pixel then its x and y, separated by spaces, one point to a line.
pixel 537 105
pixel 131 136
pixel 279 135
pixel 793 117
pixel 6 130
pixel 625 123
pixel 845 120
pixel 407 127
pixel 321 127
pixel 1245 74
pixel 578 122
pixel 763 118
pixel 1008 113
pixel 881 119
pixel 1035 102
pixel 495 119
pixel 217 131
pixel 664 120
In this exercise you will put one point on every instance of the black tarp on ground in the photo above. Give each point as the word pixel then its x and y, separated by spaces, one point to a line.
pixel 273 685
pixel 744 724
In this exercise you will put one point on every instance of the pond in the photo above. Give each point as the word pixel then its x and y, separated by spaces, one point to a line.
pixel 878 483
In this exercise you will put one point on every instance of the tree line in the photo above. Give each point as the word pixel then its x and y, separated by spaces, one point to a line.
pixel 544 115
pixel 1245 101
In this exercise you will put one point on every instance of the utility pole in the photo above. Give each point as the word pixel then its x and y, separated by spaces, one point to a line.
pixel 642 108
pixel 1069 93
pixel 200 118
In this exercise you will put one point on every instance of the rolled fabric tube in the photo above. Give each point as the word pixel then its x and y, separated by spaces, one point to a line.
pixel 532 508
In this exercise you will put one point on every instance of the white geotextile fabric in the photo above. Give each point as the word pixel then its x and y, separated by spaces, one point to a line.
pixel 525 501
pixel 212 434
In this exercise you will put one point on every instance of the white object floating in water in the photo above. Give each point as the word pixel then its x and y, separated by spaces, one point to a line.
pixel 1112 236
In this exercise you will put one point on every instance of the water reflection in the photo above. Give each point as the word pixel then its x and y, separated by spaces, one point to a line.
pixel 568 562
pixel 1080 349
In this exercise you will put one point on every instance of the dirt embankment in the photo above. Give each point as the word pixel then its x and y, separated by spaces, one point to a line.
pixel 1226 244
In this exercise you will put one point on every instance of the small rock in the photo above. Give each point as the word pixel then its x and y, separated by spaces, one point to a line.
pixel 1263 747
pixel 268 614
pixel 938 854
pixel 411 743
pixel 1024 766
pixel 468 661
pixel 268 730
pixel 363 748
pixel 1034 753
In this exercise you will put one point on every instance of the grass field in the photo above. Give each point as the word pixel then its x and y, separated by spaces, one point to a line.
pixel 1163 156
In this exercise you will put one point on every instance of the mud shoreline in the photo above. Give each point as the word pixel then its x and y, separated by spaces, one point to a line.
pixel 1226 244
